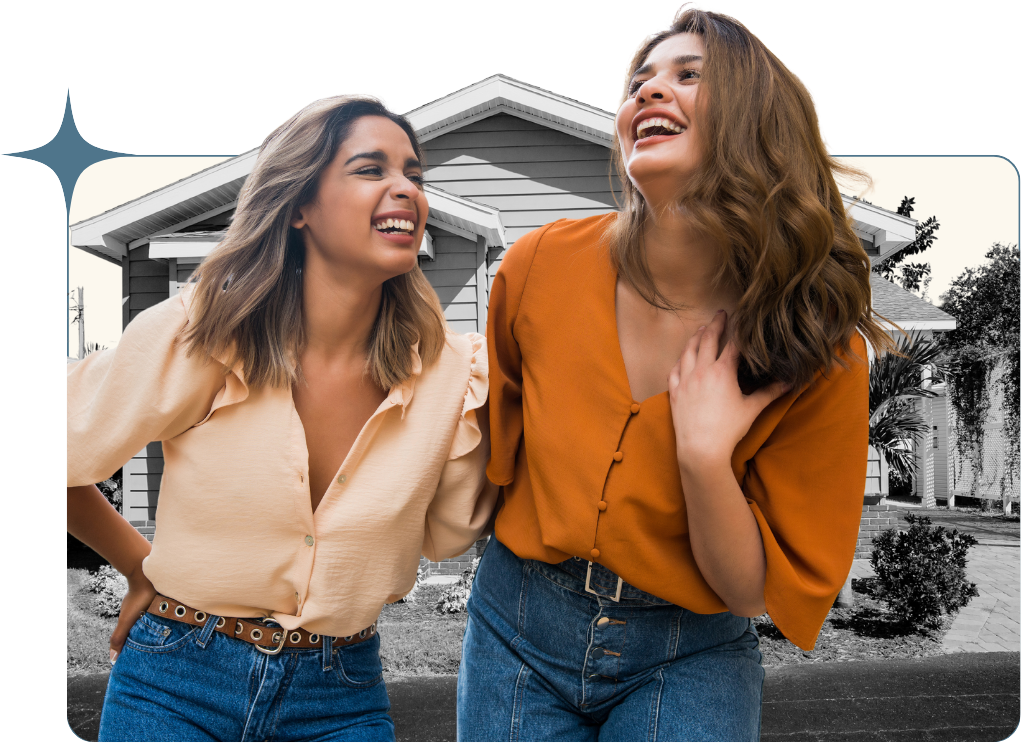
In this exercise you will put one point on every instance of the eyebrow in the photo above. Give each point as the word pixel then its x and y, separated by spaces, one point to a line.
pixel 676 62
pixel 380 156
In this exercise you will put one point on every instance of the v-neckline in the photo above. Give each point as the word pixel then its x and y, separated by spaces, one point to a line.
pixel 615 277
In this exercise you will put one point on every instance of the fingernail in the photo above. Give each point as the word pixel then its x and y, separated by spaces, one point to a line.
pixel 701 327
pixel 113 656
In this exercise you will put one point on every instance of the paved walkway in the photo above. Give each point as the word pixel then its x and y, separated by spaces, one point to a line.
pixel 990 622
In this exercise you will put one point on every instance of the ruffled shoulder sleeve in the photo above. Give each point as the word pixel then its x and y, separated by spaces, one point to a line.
pixel 468 434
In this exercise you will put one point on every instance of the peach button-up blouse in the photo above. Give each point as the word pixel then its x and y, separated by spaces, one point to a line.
pixel 588 471
pixel 235 531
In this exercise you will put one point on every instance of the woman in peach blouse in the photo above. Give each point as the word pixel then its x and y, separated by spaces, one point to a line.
pixel 679 415
pixel 321 429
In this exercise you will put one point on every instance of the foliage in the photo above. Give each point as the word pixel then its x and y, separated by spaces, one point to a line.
pixel 110 587
pixel 986 304
pixel 920 573
pixel 91 347
pixel 895 380
pixel 411 596
pixel 912 276
pixel 112 490
pixel 455 599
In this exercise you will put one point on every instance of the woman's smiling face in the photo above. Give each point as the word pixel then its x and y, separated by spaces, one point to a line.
pixel 657 125
pixel 370 208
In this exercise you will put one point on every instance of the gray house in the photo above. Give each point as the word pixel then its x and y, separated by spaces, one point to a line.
pixel 502 157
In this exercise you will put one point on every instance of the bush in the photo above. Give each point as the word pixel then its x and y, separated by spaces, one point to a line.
pixel 110 587
pixel 455 599
pixel 920 572
pixel 113 491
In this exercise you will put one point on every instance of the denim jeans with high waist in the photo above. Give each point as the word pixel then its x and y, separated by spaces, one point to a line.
pixel 174 681
pixel 544 659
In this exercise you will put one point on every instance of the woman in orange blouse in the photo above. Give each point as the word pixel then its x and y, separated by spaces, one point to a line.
pixel 320 432
pixel 679 413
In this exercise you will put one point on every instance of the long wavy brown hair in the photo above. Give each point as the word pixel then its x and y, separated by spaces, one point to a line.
pixel 765 193
pixel 249 290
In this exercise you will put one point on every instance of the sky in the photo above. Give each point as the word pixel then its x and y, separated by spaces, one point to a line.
pixel 974 198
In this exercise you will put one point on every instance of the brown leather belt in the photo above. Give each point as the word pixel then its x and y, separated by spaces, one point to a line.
pixel 267 639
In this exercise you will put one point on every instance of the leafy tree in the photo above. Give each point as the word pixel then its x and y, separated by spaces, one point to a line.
pixel 914 277
pixel 986 301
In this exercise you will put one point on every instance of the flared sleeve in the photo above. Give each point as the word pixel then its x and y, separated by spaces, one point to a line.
pixel 805 487
pixel 145 389
pixel 505 409
pixel 464 500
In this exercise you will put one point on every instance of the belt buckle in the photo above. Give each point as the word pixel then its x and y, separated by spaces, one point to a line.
pixel 278 648
pixel 588 579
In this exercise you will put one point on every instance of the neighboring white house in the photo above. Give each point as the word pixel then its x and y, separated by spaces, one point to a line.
pixel 502 157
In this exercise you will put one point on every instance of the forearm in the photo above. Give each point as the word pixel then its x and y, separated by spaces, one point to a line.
pixel 92 520
pixel 725 538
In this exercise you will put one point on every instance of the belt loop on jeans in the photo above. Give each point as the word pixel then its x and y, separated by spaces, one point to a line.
pixel 327 653
pixel 590 589
pixel 207 631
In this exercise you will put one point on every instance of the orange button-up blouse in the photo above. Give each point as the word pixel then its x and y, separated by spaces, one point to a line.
pixel 235 531
pixel 587 470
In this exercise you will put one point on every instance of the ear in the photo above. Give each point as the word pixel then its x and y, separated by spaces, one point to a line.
pixel 298 218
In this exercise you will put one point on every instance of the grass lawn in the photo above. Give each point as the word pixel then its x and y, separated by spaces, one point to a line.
pixel 416 640
pixel 88 635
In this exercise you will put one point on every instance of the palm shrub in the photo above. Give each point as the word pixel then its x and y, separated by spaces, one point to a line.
pixel 920 573
pixel 895 382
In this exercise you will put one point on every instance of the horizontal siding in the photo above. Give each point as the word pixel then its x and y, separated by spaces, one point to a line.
pixel 142 475
pixel 184 272
pixel 451 294
pixel 462 311
pixel 531 173
pixel 463 326
pixel 511 155
pixel 553 170
pixel 452 260
pixel 140 267
pixel 589 184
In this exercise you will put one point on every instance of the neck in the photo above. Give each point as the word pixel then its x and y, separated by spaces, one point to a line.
pixel 684 263
pixel 340 309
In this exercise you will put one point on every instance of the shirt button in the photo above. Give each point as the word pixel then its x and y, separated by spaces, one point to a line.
pixel 309 540
pixel 635 407
pixel 594 553
pixel 341 479
pixel 617 456
pixel 601 505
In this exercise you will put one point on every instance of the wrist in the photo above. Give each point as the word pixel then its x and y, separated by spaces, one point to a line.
pixel 700 466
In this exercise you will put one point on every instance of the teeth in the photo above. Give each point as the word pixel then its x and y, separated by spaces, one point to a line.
pixel 403 225
pixel 658 121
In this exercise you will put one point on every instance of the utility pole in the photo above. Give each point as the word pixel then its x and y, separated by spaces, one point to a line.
pixel 81 322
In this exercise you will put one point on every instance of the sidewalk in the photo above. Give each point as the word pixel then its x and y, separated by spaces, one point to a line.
pixel 970 696
pixel 990 622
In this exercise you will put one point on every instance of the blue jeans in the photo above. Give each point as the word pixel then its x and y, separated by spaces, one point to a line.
pixel 545 660
pixel 174 681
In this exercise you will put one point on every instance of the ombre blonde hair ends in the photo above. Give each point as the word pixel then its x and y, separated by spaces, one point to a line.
pixel 247 304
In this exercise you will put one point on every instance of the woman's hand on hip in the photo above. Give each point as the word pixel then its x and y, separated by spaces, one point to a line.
pixel 710 413
pixel 135 603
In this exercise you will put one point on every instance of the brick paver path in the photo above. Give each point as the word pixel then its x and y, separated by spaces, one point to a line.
pixel 990 622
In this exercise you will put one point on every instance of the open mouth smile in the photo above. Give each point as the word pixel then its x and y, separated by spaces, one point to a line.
pixel 657 125
pixel 394 226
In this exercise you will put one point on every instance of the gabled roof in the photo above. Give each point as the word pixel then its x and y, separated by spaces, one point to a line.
pixel 502 94
pixel 904 308
pixel 209 192
pixel 215 190
pixel 446 211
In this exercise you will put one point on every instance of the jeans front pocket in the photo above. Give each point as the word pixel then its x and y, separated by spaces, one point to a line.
pixel 151 634
pixel 358 666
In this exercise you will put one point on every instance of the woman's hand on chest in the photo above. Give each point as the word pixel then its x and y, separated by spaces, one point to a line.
pixel 710 413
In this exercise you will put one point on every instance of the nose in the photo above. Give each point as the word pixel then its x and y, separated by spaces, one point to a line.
pixel 653 89
pixel 404 188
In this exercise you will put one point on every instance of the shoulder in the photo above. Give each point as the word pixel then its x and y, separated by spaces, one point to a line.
pixel 464 353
